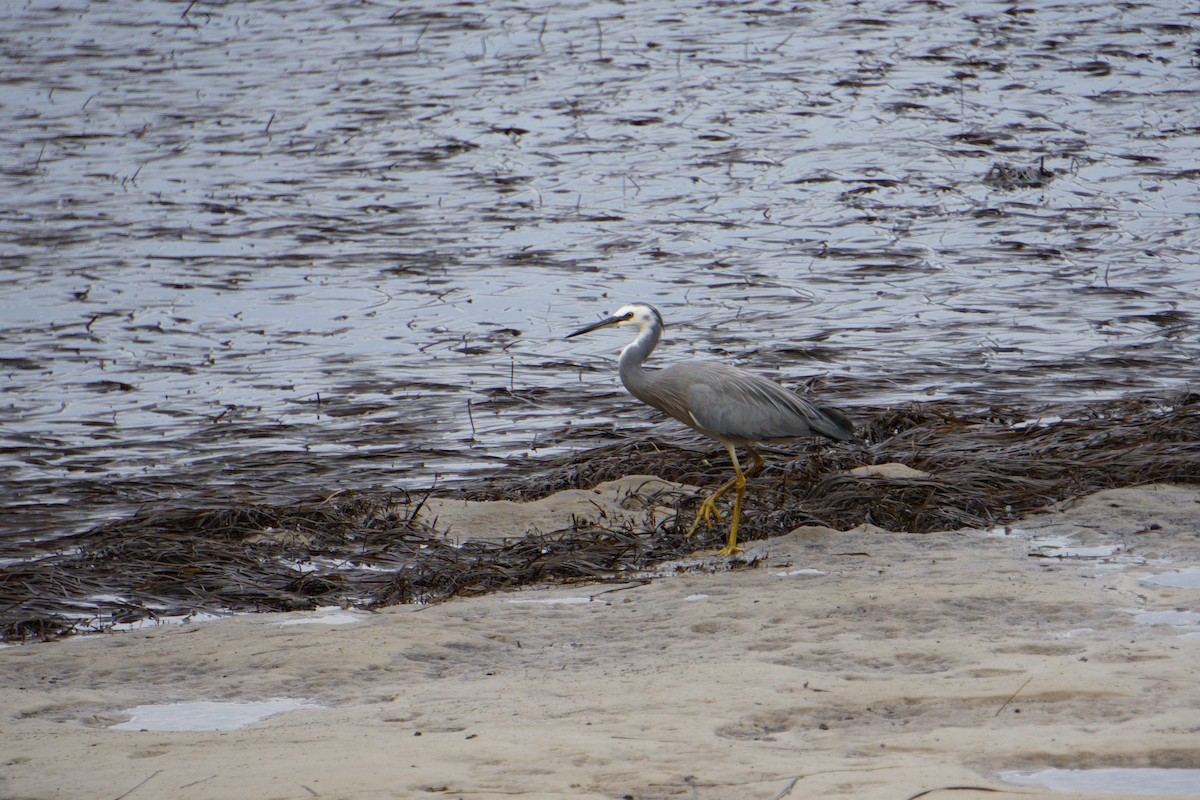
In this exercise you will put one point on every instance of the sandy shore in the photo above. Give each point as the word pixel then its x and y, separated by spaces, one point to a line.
pixel 860 664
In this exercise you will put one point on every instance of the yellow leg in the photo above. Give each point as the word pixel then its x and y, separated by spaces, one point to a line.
pixel 708 509
pixel 739 482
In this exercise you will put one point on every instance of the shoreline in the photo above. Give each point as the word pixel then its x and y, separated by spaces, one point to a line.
pixel 951 469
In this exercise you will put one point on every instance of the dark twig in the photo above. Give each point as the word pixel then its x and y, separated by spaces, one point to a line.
pixel 1012 697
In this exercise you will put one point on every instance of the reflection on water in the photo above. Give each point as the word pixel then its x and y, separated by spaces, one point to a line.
pixel 257 251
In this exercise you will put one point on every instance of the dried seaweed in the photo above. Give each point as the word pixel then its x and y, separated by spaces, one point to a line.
pixel 367 549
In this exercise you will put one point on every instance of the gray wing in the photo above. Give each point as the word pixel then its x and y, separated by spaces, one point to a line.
pixel 728 402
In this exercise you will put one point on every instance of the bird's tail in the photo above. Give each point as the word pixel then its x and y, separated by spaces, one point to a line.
pixel 833 423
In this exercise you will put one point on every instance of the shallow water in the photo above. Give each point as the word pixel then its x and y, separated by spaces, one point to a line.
pixel 1181 619
pixel 329 615
pixel 1185 579
pixel 254 252
pixel 1144 781
pixel 207 715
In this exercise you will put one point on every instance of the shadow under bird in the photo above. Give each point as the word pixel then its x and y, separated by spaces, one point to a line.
pixel 731 405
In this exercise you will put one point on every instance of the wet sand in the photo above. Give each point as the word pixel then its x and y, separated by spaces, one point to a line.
pixel 857 664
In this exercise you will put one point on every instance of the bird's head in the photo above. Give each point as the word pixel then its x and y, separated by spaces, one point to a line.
pixel 634 315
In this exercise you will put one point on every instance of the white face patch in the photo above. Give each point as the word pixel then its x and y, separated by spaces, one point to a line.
pixel 623 310
pixel 642 316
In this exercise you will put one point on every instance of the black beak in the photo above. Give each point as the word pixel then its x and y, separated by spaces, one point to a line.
pixel 604 323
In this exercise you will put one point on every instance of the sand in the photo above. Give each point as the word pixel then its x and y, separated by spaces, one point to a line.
pixel 855 664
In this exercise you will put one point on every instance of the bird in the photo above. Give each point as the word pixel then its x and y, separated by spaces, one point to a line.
pixel 735 407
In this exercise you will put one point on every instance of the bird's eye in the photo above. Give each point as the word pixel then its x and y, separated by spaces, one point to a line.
pixel 627 316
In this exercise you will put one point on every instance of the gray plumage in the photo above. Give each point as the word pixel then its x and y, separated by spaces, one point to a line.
pixel 731 405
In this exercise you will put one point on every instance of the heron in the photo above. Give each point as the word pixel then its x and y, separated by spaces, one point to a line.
pixel 731 405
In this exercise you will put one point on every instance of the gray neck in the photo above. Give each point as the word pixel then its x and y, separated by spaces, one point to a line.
pixel 630 365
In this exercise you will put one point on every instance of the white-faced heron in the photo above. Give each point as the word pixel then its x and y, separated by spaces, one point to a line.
pixel 731 405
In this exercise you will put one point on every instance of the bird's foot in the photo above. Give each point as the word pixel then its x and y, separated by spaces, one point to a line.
pixel 707 514
pixel 730 550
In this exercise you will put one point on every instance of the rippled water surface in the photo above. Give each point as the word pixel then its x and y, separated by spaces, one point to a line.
pixel 255 251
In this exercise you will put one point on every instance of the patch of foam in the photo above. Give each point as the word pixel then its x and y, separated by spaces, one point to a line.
pixel 207 715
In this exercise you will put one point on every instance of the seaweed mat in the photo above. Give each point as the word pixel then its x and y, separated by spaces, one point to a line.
pixel 367 549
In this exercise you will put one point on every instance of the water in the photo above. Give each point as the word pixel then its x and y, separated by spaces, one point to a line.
pixel 207 715
pixel 1141 781
pixel 253 252
pixel 1184 579
pixel 324 615
pixel 566 601
pixel 1183 619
